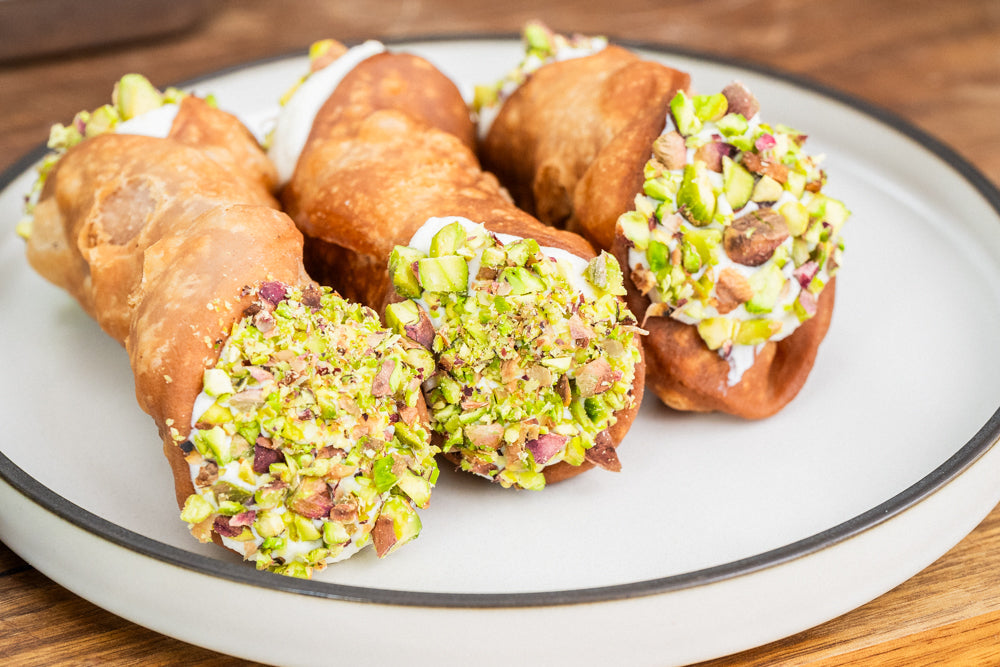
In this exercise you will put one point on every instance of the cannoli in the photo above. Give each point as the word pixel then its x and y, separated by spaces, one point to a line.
pixel 292 420
pixel 544 124
pixel 730 247
pixel 539 369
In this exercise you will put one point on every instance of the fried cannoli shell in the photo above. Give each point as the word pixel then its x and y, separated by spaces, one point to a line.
pixel 95 209
pixel 369 182
pixel 190 295
pixel 550 131
pixel 359 196
pixel 162 240
pixel 686 375
pixel 399 81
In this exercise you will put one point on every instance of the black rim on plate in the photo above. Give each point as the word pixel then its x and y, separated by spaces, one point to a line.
pixel 976 446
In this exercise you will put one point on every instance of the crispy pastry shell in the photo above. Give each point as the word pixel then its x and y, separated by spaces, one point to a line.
pixel 156 239
pixel 549 132
pixel 367 182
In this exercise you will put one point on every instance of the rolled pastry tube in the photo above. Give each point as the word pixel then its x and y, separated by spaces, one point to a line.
pixel 539 362
pixel 729 243
pixel 292 420
pixel 545 125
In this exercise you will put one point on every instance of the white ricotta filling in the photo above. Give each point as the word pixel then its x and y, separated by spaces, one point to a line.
pixel 154 123
pixel 295 120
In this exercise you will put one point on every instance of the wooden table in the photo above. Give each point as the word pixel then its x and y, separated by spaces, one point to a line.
pixel 936 64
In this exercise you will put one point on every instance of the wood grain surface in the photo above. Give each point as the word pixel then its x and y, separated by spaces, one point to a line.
pixel 936 64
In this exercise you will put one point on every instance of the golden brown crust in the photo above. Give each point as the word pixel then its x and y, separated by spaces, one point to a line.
pixel 160 238
pixel 368 181
pixel 399 81
pixel 549 132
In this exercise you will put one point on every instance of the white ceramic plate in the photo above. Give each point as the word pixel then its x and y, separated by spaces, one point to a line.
pixel 717 536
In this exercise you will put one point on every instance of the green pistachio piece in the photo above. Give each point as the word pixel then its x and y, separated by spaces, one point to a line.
pixel 407 435
pixel 196 509
pixel 405 522
pixel 216 414
pixel 526 479
pixel 814 231
pixel 485 96
pixel 383 475
pixel 796 183
pixel 732 124
pixel 657 188
pixel 213 443
pixel 493 256
pixel 710 107
pixel 635 227
pixel 216 382
pixel 696 197
pixel 766 284
pixel 800 251
pixel 422 360
pixel 335 533
pixel 62 137
pixel 416 487
pixel 102 120
pixel 658 256
pixel 796 217
pixel 537 38
pixel 596 409
pixel 682 108
pixel 707 242
pixel 401 262
pixel 304 528
pixel 443 274
pixel 690 257
pixel 448 240
pixel 715 331
pixel 835 213
pixel 767 189
pixel 134 95
pixel 559 364
pixel 604 273
pixel 521 280
pixel 268 523
pixel 737 183
pixel 400 314
pixel 521 251
pixel 756 331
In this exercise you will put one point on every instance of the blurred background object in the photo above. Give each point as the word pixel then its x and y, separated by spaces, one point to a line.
pixel 30 28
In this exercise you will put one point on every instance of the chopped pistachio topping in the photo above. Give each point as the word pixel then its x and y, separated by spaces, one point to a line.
pixel 306 440
pixel 732 232
pixel 542 46
pixel 535 352
pixel 132 97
